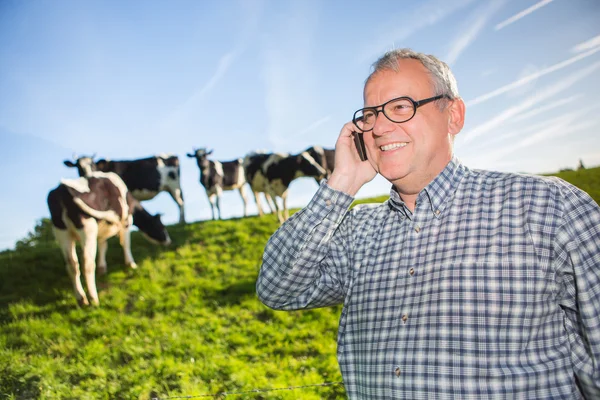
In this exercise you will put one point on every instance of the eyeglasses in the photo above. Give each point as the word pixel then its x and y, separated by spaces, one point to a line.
pixel 400 109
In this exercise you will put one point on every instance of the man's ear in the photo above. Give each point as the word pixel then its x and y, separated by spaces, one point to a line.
pixel 456 116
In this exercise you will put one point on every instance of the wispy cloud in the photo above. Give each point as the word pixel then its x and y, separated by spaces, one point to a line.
pixel 472 28
pixel 505 135
pixel 314 126
pixel 522 14
pixel 222 67
pixel 180 115
pixel 555 104
pixel 568 124
pixel 404 25
pixel 529 78
pixel 531 101
pixel 587 45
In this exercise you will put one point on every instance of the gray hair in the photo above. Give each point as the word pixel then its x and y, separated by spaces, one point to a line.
pixel 442 78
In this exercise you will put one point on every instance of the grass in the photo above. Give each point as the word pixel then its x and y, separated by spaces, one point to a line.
pixel 185 323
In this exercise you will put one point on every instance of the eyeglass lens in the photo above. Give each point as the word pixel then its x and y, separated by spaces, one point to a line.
pixel 398 110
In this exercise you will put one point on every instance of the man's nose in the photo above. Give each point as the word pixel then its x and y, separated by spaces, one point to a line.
pixel 382 124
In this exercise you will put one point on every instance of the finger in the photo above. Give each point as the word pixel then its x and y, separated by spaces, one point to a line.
pixel 347 129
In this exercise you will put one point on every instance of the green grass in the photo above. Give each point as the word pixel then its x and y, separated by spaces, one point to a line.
pixel 185 323
pixel 585 179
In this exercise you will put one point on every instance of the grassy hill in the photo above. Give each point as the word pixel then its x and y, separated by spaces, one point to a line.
pixel 185 323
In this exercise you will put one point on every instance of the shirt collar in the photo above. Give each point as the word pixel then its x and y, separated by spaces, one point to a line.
pixel 439 192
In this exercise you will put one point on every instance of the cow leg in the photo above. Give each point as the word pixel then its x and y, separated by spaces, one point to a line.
pixel 89 243
pixel 273 197
pixel 177 195
pixel 67 247
pixel 213 204
pixel 219 194
pixel 125 240
pixel 271 202
pixel 286 212
pixel 258 204
pixel 101 258
pixel 244 195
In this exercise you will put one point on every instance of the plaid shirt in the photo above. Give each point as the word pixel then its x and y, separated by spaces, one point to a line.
pixel 490 289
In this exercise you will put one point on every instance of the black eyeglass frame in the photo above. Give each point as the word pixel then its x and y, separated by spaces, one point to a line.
pixel 381 108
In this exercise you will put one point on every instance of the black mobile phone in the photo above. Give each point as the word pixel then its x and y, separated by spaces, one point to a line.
pixel 359 142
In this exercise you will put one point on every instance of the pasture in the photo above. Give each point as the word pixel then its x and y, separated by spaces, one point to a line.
pixel 185 323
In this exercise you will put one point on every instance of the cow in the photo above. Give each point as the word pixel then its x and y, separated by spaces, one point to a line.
pixel 145 177
pixel 273 173
pixel 253 163
pixel 91 210
pixel 217 176
pixel 325 158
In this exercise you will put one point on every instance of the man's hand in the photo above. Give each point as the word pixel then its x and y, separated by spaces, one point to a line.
pixel 349 173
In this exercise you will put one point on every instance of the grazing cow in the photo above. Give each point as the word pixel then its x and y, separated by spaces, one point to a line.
pixel 145 178
pixel 91 210
pixel 325 158
pixel 272 175
pixel 217 176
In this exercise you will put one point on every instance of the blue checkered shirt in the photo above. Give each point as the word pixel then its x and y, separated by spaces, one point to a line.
pixel 490 289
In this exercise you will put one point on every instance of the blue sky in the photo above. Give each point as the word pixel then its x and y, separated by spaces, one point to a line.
pixel 128 79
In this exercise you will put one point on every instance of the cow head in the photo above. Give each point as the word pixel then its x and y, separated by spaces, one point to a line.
pixel 151 226
pixel 307 166
pixel 201 156
pixel 85 165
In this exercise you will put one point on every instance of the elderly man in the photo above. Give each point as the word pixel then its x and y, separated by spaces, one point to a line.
pixel 466 283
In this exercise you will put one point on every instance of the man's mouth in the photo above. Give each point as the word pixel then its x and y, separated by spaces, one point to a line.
pixel 392 146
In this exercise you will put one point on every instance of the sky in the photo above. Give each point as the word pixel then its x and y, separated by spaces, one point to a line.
pixel 130 79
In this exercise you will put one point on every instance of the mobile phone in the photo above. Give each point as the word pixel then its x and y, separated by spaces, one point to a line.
pixel 359 142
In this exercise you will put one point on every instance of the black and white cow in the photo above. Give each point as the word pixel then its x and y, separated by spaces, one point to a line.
pixel 325 158
pixel 145 178
pixel 273 173
pixel 253 163
pixel 91 210
pixel 217 176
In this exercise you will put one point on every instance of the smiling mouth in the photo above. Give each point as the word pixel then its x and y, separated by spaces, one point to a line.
pixel 392 146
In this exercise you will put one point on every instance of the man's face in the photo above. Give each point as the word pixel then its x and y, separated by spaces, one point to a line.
pixel 408 154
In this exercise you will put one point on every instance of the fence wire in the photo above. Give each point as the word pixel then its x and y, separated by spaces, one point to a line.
pixel 253 391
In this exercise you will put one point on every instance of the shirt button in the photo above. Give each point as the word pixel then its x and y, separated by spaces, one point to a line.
pixel 417 228
pixel 437 212
pixel 404 318
pixel 397 371
pixel 328 202
pixel 411 271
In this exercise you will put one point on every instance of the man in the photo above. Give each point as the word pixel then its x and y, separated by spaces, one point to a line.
pixel 464 284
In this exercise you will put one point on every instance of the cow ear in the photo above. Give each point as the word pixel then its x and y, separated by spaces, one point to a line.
pixel 69 163
pixel 209 152
pixel 191 155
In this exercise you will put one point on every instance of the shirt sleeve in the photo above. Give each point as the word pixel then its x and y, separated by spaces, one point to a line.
pixel 306 262
pixel 578 250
